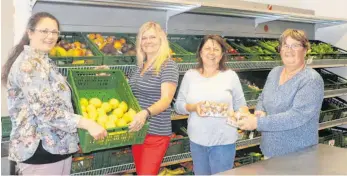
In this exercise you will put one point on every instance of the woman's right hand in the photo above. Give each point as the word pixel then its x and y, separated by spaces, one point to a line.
pixel 94 129
pixel 97 131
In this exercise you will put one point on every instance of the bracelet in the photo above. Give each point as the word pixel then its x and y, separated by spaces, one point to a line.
pixel 149 113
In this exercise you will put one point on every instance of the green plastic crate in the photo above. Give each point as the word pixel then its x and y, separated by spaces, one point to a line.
pixel 331 80
pixel 341 105
pixel 178 146
pixel 342 82
pixel 120 59
pixel 189 42
pixel 256 156
pixel 242 45
pixel 6 125
pixel 67 61
pixel 342 139
pixel 181 55
pixel 269 44
pixel 119 156
pixel 250 94
pixel 86 84
pixel 82 162
pixel 330 110
pixel 244 160
pixel 329 137
pixel 340 53
pixel 189 173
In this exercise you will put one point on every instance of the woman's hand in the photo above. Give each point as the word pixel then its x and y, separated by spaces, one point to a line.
pixel 94 129
pixel 248 123
pixel 196 108
pixel 139 121
pixel 259 113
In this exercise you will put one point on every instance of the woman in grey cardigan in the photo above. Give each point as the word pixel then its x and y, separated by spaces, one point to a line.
pixel 289 106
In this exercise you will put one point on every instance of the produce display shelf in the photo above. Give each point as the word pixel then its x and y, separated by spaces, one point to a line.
pixel 335 93
pixel 237 65
pixel 130 167
pixel 168 160
pixel 332 123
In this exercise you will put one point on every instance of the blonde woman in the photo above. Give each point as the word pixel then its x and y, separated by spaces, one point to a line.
pixel 154 84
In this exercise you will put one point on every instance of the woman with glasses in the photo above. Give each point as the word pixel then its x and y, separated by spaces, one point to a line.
pixel 44 127
pixel 288 108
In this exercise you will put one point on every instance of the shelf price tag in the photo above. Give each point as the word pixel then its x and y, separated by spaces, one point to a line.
pixel 331 142
pixel 251 135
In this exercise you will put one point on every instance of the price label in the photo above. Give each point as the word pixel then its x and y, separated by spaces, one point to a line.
pixel 251 135
pixel 331 142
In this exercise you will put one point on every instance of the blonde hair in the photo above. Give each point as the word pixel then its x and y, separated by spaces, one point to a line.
pixel 298 35
pixel 163 53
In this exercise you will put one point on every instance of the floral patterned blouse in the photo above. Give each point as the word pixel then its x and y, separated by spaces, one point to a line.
pixel 39 102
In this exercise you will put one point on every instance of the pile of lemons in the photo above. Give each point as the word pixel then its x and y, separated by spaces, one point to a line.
pixel 109 114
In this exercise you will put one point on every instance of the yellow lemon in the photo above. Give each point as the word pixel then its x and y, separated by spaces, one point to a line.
pixel 101 112
pixel 127 117
pixel 102 119
pixel 84 102
pixel 93 115
pixel 113 118
pixel 96 102
pixel 83 108
pixel 91 108
pixel 110 124
pixel 121 123
pixel 106 106
pixel 132 112
pixel 114 103
pixel 118 112
pixel 123 106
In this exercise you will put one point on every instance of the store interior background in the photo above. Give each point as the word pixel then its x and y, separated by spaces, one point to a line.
pixel 336 35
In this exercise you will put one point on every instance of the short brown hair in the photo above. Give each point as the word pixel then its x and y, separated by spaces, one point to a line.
pixel 296 34
pixel 224 46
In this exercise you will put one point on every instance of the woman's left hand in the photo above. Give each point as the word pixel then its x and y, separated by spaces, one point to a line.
pixel 139 121
pixel 248 123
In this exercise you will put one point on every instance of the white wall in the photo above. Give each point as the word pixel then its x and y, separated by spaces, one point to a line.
pixel 7 33
pixel 336 35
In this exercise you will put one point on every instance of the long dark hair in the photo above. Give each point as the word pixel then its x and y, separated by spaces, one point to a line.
pixel 34 19
pixel 224 46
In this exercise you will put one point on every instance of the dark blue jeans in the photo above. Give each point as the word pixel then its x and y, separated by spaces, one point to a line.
pixel 212 160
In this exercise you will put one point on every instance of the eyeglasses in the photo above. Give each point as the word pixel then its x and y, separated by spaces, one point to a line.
pixel 46 32
pixel 292 46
